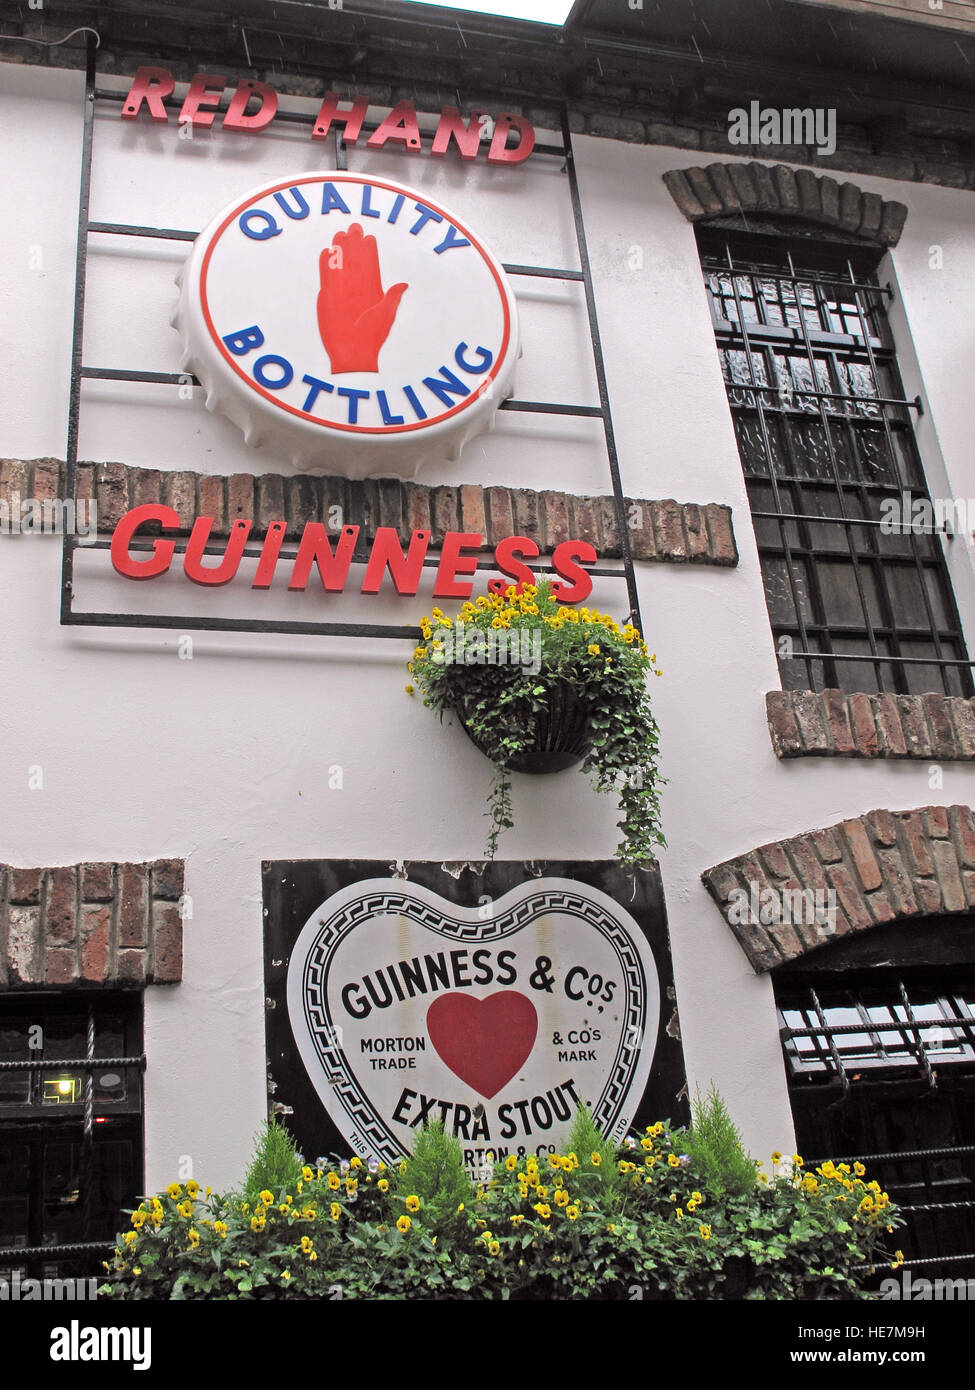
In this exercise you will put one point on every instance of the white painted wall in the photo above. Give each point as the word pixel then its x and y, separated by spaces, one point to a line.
pixel 224 759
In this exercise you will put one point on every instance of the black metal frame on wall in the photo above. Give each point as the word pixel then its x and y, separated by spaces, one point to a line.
pixel 81 372
pixel 295 890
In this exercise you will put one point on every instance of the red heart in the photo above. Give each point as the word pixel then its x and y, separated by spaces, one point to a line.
pixel 483 1041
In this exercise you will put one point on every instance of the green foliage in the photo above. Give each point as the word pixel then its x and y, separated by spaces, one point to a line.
pixel 435 1173
pixel 715 1148
pixel 604 666
pixel 553 1227
pixel 596 1171
pixel 275 1163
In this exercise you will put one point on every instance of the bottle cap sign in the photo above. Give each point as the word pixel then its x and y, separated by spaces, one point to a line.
pixel 348 322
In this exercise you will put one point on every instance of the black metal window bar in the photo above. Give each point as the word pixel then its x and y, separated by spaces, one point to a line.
pixel 48 1106
pixel 889 1069
pixel 81 372
pixel 858 598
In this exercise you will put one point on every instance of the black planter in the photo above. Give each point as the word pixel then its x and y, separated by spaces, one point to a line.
pixel 560 732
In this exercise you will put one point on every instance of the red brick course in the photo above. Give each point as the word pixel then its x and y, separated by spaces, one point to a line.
pixel 661 530
pixel 837 724
pixel 883 866
pixel 76 926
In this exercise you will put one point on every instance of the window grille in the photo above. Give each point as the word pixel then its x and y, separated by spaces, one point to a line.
pixel 881 1070
pixel 827 445
pixel 70 1130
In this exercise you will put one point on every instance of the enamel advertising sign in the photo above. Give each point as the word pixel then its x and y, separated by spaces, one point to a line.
pixel 496 1002
pixel 348 322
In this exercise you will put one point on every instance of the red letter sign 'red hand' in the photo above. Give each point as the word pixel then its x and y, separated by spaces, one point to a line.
pixel 354 315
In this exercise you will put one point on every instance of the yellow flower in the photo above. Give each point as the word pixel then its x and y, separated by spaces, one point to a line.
pixel 286 1275
pixel 413 1204
pixel 859 1169
pixel 692 1205
pixel 517 1219
pixel 679 1214
pixel 257 1223
pixel 174 1190
pixel 383 1185
pixel 494 1247
pixel 335 1211
pixel 309 1212
pixel 193 1188
pixel 673 1160
pixel 544 1211
pixel 646 1144
pixel 352 1186
pixel 593 649
pixel 572 1213
pixel 799 1162
pixel 656 1130
pixel 511 1163
pixel 193 1237
pixel 704 1232
pixel 267 1198
pixel 898 1259
pixel 403 1224
pixel 185 1209
pixel 306 1245
pixel 561 1197
pixel 220 1229
pixel 776 1157
pixel 138 1219
pixel 131 1237
pixel 595 1159
pixel 307 1173
pixel 334 1181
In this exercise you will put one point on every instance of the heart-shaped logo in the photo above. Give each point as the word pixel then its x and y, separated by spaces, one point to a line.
pixel 483 1041
pixel 407 1008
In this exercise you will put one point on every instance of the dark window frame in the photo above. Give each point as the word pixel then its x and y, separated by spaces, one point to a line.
pixel 825 435
pixel 905 1106
pixel 69 1170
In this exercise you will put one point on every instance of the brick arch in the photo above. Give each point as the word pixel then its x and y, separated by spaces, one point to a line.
pixel 739 187
pixel 883 866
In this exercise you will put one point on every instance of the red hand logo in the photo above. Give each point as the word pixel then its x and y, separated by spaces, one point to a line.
pixel 354 315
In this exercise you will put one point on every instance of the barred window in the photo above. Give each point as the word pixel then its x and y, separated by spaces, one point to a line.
pixel 878 1041
pixel 70 1130
pixel 827 445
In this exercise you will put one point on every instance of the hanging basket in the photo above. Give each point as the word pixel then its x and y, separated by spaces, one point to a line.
pixel 560 732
